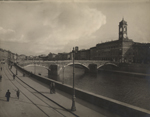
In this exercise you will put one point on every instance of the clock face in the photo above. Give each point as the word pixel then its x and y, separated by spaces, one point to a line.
pixel 124 35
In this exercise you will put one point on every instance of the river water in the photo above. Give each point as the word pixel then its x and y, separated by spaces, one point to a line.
pixel 126 88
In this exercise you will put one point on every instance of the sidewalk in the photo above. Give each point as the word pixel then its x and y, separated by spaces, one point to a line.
pixel 15 107
pixel 83 109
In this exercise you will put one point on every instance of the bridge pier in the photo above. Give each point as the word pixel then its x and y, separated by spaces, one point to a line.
pixel 53 72
pixel 93 68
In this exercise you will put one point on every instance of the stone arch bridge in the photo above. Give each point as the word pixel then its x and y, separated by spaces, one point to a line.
pixel 55 66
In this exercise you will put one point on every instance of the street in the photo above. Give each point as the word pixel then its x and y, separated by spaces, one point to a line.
pixel 32 103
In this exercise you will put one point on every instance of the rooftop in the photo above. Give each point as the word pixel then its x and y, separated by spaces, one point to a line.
pixel 123 22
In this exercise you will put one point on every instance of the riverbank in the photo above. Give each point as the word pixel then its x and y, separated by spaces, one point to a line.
pixel 141 75
pixel 129 68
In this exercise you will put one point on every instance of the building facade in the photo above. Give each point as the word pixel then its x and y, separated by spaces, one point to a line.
pixel 93 53
pixel 51 56
pixel 22 57
pixel 82 55
pixel 141 53
pixel 123 50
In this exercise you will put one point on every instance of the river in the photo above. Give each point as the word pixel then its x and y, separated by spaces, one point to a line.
pixel 126 88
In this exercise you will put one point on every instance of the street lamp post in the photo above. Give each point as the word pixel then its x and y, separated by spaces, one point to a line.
pixel 39 61
pixel 63 74
pixel 16 68
pixel 73 108
pixel 34 67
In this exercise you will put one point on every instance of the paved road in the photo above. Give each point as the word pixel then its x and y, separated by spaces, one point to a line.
pixel 32 104
pixel 29 103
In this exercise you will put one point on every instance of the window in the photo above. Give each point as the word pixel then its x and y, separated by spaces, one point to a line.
pixel 124 28
pixel 120 29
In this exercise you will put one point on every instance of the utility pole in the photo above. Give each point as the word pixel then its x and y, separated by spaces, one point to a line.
pixel 73 108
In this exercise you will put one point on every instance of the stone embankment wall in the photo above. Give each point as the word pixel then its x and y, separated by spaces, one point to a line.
pixel 114 106
pixel 130 68
pixel 138 68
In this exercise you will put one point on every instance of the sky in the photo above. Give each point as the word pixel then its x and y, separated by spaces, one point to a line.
pixel 41 27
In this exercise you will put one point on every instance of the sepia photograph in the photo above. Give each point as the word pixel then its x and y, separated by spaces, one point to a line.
pixel 74 58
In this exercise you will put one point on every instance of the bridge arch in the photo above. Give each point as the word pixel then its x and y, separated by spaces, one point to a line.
pixel 80 64
pixel 36 65
pixel 108 63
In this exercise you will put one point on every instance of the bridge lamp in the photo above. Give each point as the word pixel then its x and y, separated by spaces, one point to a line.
pixel 16 63
pixel 73 108
pixel 63 74
pixel 34 67
pixel 16 58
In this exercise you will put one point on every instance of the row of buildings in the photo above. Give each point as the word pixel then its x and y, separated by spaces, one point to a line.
pixel 123 50
pixel 6 54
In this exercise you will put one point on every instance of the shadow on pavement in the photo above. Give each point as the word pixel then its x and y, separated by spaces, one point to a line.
pixel 42 92
pixel 3 100
pixel 14 97
pixel 42 105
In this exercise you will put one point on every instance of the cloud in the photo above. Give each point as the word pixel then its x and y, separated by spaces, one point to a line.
pixel 50 27
pixel 6 34
pixel 10 35
pixel 69 23
pixel 4 31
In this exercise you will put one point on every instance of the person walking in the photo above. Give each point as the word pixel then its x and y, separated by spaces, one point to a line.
pixel 51 86
pixel 14 76
pixel 0 77
pixel 23 74
pixel 18 93
pixel 7 95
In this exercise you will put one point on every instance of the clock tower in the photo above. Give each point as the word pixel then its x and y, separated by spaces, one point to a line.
pixel 123 30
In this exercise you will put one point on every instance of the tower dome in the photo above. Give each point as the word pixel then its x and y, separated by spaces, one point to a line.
pixel 123 22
